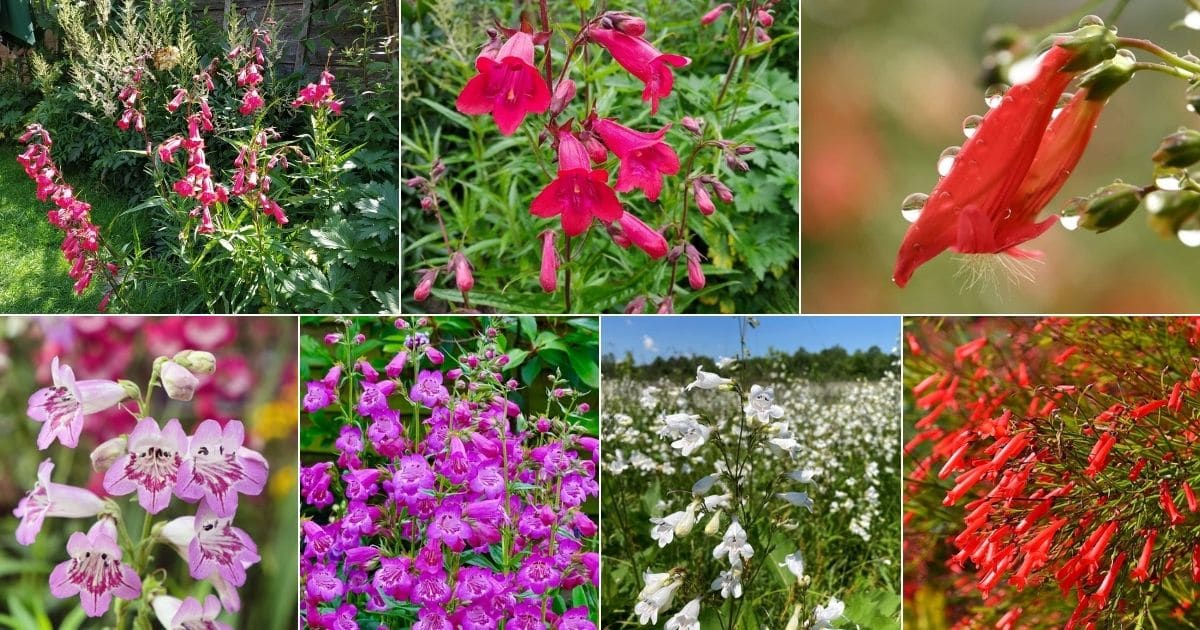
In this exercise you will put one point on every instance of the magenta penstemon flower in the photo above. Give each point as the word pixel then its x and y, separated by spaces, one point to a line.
pixel 219 548
pixel 642 60
pixel 61 408
pixel 645 158
pixel 95 572
pixel 579 193
pixel 49 499
pixel 151 466
pixel 217 468
pixel 508 85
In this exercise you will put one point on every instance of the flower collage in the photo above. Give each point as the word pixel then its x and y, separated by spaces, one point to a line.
pixel 592 315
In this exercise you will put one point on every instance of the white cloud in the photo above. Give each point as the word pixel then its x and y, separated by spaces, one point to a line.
pixel 648 343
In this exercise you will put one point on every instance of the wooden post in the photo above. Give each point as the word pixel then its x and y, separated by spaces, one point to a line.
pixel 300 63
pixel 225 14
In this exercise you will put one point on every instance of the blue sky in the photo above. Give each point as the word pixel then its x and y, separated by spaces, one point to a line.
pixel 648 337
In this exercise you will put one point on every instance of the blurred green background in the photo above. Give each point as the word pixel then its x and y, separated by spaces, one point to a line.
pixel 888 86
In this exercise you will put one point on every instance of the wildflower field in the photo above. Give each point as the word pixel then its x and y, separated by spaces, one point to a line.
pixel 599 157
pixel 449 475
pixel 1051 475
pixel 150 473
pixel 750 496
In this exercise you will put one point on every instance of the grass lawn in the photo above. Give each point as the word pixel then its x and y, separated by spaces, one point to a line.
pixel 34 277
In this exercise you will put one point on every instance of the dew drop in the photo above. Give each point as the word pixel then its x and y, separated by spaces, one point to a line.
pixel 1090 20
pixel 1070 222
pixel 1191 108
pixel 1155 201
pixel 1192 20
pixel 946 161
pixel 1062 102
pixel 1073 213
pixel 1189 232
pixel 994 94
pixel 912 206
pixel 971 125
pixel 1168 182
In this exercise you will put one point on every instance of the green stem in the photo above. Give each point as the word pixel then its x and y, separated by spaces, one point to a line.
pixel 1160 52
pixel 1117 11
pixel 1158 67
pixel 567 273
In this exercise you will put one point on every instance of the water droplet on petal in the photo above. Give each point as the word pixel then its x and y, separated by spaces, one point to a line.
pixel 971 124
pixel 1062 102
pixel 994 94
pixel 1073 213
pixel 1071 223
pixel 1189 232
pixel 1090 20
pixel 1169 181
pixel 946 161
pixel 1192 20
pixel 912 206
pixel 1191 108
pixel 1155 201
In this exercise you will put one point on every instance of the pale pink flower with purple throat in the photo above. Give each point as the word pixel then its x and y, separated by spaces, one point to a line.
pixel 220 548
pixel 61 408
pixel 189 614
pixel 151 466
pixel 95 572
pixel 217 468
pixel 49 499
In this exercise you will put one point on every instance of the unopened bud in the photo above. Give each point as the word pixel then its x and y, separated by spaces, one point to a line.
pixel 736 164
pixel 549 272
pixel 667 305
pixel 595 149
pixel 761 35
pixel 1168 209
pixel 695 126
pixel 439 169
pixel 636 306
pixel 794 621
pixel 563 93
pixel 462 272
pixel 1110 206
pixel 425 285
pixel 703 201
pixel 695 272
pixel 198 361
pixel 625 22
pixel 766 19
pixel 427 203
pixel 744 149
pixel 714 524
pixel 714 13
pixel 1179 150
pixel 723 192
pixel 106 454
pixel 685 524
pixel 179 383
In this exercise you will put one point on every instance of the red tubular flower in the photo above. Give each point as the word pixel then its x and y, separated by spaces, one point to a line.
pixel 1188 494
pixel 642 60
pixel 1147 409
pixel 549 272
pixel 1196 563
pixel 645 158
pixel 1100 598
pixel 1168 504
pixel 508 86
pixel 1098 458
pixel 1141 572
pixel 578 193
pixel 1013 164
pixel 646 238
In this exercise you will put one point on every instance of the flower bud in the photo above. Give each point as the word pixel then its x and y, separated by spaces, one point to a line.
pixel 744 149
pixel 794 621
pixel 549 273
pixel 714 13
pixel 462 272
pixel 1168 209
pixel 439 169
pixel 425 285
pixel 198 361
pixel 722 191
pixel 766 19
pixel 427 203
pixel 761 35
pixel 694 126
pixel 106 454
pixel 434 355
pixel 685 524
pixel 416 182
pixel 626 23
pixel 1179 150
pixel 736 164
pixel 636 306
pixel 179 383
pixel 563 93
pixel 595 148
pixel 332 338
pixel 667 305
pixel 714 524
pixel 1110 206
pixel 646 238
pixel 694 271
pixel 703 201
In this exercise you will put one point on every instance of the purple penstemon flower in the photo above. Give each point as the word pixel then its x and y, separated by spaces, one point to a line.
pixel 538 574
pixel 349 445
pixel 428 390
pixel 220 548
pixel 49 499
pixel 431 589
pixel 95 572
pixel 314 484
pixel 217 468
pixel 61 408
pixel 395 367
pixel 526 615
pixel 151 466
pixel 373 400
pixel 394 578
pixel 448 527
pixel 432 618
pixel 323 393
pixel 361 484
pixel 323 584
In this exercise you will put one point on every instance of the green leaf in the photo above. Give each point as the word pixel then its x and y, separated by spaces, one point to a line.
pixel 586 367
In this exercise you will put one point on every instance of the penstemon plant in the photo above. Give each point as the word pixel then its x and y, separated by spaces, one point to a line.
pixel 106 567
pixel 458 508
pixel 552 107
pixel 1021 152
pixel 1052 478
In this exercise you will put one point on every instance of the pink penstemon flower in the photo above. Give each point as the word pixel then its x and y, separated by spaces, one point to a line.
pixel 219 548
pixel 151 466
pixel 508 85
pixel 189 613
pixel 61 408
pixel 49 499
pixel 95 572
pixel 579 193
pixel 642 60
pixel 217 468
pixel 645 158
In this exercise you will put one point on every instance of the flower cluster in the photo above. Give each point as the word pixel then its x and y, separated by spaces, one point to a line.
pixel 209 469
pixel 131 115
pixel 197 179
pixel 1070 447
pixel 319 95
pixel 249 74
pixel 81 243
pixel 459 506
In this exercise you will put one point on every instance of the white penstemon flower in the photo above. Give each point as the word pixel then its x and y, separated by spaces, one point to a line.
pixel 656 596
pixel 665 529
pixel 794 563
pixel 707 380
pixel 798 499
pixel 734 545
pixel 725 362
pixel 689 432
pixel 761 404
pixel 823 616
pixel 729 583
pixel 688 617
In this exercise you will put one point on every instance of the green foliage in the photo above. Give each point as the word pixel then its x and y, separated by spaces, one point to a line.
pixel 751 246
